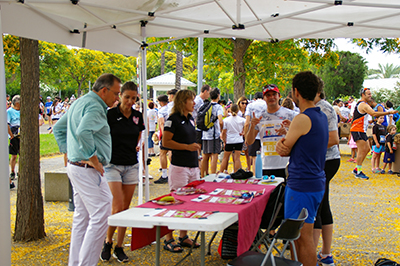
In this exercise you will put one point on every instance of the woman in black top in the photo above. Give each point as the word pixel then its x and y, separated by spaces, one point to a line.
pixel 180 136
pixel 126 125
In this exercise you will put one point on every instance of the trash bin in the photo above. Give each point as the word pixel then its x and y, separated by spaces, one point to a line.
pixel 71 205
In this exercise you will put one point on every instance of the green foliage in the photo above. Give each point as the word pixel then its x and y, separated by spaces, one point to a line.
pixel 389 45
pixel 346 78
pixel 384 95
pixel 385 71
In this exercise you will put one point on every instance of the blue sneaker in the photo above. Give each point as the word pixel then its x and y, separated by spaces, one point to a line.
pixel 326 261
pixel 354 171
pixel 361 175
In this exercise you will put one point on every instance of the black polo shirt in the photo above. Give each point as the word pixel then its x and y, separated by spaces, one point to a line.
pixel 184 132
pixel 124 135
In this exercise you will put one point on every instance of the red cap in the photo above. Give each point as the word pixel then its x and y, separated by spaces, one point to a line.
pixel 270 87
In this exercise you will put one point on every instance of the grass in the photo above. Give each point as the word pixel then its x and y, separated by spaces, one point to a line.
pixel 48 145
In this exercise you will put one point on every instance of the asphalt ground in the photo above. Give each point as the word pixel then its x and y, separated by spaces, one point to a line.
pixel 366 222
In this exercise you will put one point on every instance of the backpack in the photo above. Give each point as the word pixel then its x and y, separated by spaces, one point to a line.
pixel 205 119
pixel 385 262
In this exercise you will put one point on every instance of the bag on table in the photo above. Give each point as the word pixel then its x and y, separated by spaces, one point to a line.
pixel 385 262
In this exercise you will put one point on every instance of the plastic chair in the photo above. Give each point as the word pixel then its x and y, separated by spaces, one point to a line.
pixel 289 231
pixel 272 217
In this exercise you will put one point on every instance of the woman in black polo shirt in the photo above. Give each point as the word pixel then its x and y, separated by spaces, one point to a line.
pixel 126 125
pixel 180 136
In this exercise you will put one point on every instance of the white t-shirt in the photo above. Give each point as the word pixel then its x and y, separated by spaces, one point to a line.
pixel 269 138
pixel 234 126
pixel 352 107
pixel 57 109
pixel 332 152
pixel 152 117
pixel 169 106
pixel 163 113
pixel 210 134
pixel 258 107
pixel 198 102
pixel 345 111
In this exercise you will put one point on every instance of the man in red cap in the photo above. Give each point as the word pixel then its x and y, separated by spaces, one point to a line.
pixel 271 126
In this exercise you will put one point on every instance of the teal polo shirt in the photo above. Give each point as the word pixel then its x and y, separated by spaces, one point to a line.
pixel 83 131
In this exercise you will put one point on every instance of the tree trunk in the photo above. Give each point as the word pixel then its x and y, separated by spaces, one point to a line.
pixel 79 90
pixel 179 69
pixel 162 63
pixel 239 73
pixel 29 222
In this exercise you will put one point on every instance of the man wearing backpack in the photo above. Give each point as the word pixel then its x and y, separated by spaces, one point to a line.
pixel 211 137
pixel 198 102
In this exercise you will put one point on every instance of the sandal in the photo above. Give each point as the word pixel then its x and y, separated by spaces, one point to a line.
pixel 187 245
pixel 170 247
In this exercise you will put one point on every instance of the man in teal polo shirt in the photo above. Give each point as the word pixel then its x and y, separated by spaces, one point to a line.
pixel 83 133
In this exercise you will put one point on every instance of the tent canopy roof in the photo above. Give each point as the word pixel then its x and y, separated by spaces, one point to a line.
pixel 120 26
pixel 168 79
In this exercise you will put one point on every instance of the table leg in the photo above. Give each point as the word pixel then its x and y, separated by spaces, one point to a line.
pixel 203 249
pixel 158 230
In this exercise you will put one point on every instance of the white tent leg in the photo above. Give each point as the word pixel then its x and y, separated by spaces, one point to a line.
pixel 5 233
pixel 200 56
pixel 146 132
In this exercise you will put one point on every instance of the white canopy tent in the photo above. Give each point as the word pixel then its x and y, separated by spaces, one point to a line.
pixel 122 27
pixel 166 82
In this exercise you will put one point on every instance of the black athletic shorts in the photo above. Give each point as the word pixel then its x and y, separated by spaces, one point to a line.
pixel 234 147
pixel 359 136
pixel 13 148
pixel 253 148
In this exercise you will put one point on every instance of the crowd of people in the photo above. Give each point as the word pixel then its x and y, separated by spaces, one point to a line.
pixel 101 135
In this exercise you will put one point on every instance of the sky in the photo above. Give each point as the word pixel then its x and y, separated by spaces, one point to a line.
pixel 373 58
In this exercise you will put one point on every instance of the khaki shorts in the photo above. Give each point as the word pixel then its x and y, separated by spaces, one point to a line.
pixel 180 176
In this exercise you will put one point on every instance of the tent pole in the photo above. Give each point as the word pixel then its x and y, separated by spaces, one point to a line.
pixel 140 158
pixel 200 56
pixel 146 132
pixel 5 233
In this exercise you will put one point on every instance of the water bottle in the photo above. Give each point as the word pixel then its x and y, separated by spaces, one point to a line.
pixel 258 165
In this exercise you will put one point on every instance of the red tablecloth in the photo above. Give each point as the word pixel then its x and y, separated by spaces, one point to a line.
pixel 249 214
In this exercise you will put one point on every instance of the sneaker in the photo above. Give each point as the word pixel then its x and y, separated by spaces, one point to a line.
pixel 351 160
pixel 354 171
pixel 325 261
pixel 361 175
pixel 12 175
pixel 106 252
pixel 120 255
pixel 49 128
pixel 161 180
pixel 383 172
pixel 390 172
pixel 376 171
pixel 12 185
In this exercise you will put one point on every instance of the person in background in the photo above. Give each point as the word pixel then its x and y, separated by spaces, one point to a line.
pixel 344 110
pixel 257 107
pixel 306 180
pixel 180 137
pixel 162 117
pixel 199 101
pixel 353 146
pixel 84 135
pixel 47 106
pixel 242 103
pixel 359 128
pixel 324 220
pixel 151 122
pixel 211 137
pixel 232 136
pixel 389 157
pixel 389 107
pixel 13 126
pixel 352 105
pixel 288 103
pixel 378 146
pixel 8 102
pixel 122 173
pixel 379 108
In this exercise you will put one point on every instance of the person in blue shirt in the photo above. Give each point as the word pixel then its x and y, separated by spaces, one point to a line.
pixel 13 124
pixel 84 134
pixel 306 180
pixel 47 106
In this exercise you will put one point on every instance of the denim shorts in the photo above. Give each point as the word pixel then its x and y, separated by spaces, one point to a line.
pixel 126 174
pixel 295 201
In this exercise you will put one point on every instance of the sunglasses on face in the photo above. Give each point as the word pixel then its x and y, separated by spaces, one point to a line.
pixel 244 103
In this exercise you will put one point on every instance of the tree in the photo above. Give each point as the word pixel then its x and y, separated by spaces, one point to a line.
pixel 346 78
pixel 29 222
pixel 240 47
pixel 385 71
